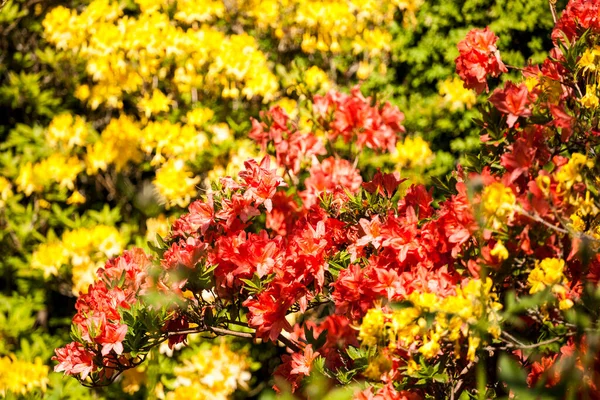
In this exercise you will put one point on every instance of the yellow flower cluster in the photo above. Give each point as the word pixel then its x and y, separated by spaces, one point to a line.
pixel 413 152
pixel 213 372
pixel 176 183
pixel 119 144
pixel 588 64
pixel 84 249
pixel 168 141
pixel 5 191
pixel 550 273
pixel 455 318
pixel 570 173
pixel 244 150
pixel 56 169
pixel 547 272
pixel 125 55
pixel 455 95
pixel 66 132
pixel 498 204
pixel 20 377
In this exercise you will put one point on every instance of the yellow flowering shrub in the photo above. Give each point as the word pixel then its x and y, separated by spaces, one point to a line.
pixel 211 372
pixel 82 250
pixel 413 152
pixel 455 95
pixel 21 377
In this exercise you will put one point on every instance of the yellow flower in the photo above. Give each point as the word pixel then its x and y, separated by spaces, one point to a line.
pixel 157 226
pixel 190 11
pixel 27 182
pixel 499 204
pixel 175 183
pixel 456 95
pixel 372 327
pixel 413 153
pixel 364 70
pixel 60 169
pixel 99 156
pixel 431 345
pixel 290 106
pixel 21 377
pixel 316 79
pixel 548 272
pixel 199 116
pixel 589 100
pixel 76 198
pixel 155 104
pixel 5 191
pixel 64 130
pixel 499 251
pixel 587 61
pixel 50 257
pixel 454 317
pixel 570 173
pixel 474 343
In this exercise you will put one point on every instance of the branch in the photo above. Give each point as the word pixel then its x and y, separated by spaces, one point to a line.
pixel 543 221
pixel 552 4
pixel 246 335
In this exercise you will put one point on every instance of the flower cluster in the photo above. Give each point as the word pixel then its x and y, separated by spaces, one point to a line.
pixel 211 372
pixel 99 327
pixel 18 377
pixel 479 58
pixel 83 249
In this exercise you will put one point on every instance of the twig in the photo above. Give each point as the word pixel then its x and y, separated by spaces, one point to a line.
pixel 289 343
pixel 552 4
pixel 541 220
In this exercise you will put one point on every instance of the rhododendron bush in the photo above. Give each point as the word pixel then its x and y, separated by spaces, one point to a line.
pixel 483 286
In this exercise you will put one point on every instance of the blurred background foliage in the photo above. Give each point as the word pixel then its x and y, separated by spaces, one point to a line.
pixel 114 114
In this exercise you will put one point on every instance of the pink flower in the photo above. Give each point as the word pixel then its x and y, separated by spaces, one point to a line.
pixel 74 359
pixel 302 363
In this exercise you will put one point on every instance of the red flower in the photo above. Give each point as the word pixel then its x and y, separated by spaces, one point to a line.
pixel 302 363
pixel 478 58
pixel 184 253
pixel 260 182
pixel 512 101
pixel 74 359
pixel 579 16
pixel 330 174
pixel 384 184
pixel 267 314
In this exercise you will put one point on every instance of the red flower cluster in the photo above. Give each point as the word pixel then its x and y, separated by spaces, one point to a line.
pixel 579 16
pixel 354 119
pixel 292 147
pixel 98 323
pixel 479 58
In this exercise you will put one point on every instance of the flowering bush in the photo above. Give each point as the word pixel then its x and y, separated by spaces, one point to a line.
pixel 114 115
pixel 488 289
